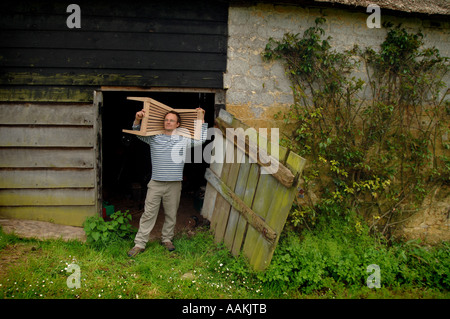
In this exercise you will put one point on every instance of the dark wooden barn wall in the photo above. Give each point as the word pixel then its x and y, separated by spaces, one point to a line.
pixel 120 43
pixel 48 162
pixel 49 76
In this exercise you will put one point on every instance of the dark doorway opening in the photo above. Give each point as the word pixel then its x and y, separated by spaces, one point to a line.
pixel 126 161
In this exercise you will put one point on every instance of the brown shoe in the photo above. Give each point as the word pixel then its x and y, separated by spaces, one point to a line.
pixel 169 245
pixel 134 251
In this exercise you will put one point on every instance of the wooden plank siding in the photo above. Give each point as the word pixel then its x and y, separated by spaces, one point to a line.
pixel 136 43
pixel 48 162
pixel 51 76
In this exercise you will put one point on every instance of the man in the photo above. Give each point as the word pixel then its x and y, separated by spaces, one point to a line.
pixel 167 174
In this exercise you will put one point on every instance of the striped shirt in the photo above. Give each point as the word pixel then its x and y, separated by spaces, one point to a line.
pixel 168 153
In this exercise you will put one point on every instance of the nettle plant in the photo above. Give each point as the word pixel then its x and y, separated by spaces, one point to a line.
pixel 101 233
pixel 374 146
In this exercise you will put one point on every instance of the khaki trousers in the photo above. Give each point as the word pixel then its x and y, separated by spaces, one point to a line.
pixel 169 193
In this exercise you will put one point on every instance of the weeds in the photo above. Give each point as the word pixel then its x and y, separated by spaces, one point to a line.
pixel 100 233
pixel 336 255
pixel 328 262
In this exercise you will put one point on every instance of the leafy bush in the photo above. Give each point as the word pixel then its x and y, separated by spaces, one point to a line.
pixel 373 146
pixel 100 233
pixel 337 252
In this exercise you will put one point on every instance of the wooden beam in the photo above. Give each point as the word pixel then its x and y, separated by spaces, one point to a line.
pixel 47 136
pixel 47 178
pixel 52 157
pixel 253 219
pixel 74 114
pixel 64 215
pixel 46 93
pixel 282 174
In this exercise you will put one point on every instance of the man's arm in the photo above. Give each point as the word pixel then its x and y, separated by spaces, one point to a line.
pixel 138 119
pixel 204 128
pixel 137 126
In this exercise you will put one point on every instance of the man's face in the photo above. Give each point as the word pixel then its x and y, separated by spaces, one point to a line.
pixel 171 122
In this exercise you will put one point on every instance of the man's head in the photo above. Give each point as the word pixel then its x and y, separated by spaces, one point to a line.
pixel 172 120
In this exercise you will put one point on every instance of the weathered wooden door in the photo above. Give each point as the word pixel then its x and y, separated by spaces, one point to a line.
pixel 246 205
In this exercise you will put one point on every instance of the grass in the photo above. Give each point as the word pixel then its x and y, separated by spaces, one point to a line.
pixel 199 268
pixel 37 269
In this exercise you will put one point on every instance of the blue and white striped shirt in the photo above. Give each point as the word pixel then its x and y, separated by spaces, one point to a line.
pixel 167 153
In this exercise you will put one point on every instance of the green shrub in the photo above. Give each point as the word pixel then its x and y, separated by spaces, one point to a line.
pixel 100 233
pixel 337 253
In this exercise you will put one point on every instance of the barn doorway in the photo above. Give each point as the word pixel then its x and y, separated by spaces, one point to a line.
pixel 126 161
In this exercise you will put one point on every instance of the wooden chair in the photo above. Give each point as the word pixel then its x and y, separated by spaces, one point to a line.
pixel 153 121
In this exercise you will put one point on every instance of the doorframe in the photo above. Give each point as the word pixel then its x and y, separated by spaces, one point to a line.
pixel 98 105
pixel 219 103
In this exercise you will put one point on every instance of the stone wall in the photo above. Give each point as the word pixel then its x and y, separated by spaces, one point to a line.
pixel 432 222
pixel 256 90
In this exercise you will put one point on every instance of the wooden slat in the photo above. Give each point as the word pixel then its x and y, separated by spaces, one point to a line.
pixel 47 178
pixel 264 194
pixel 242 224
pixel 251 217
pixel 51 77
pixel 64 215
pixel 233 217
pixel 221 205
pixel 47 197
pixel 46 136
pixel 169 25
pixel 46 158
pixel 47 114
pixel 44 93
pixel 237 223
pixel 218 149
pixel 276 215
pixel 155 111
pixel 141 10
pixel 209 202
pixel 245 190
pixel 102 59
pixel 282 173
pixel 113 41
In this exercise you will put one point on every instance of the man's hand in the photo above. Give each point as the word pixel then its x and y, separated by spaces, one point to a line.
pixel 139 116
pixel 202 113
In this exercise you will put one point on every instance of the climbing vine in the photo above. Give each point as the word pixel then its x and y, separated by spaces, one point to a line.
pixel 374 144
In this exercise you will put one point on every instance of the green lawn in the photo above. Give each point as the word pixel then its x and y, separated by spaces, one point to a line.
pixel 198 268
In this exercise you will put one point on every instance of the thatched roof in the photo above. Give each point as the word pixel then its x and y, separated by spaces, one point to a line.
pixel 441 7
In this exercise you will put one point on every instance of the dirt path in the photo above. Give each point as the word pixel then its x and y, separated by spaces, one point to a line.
pixel 46 230
pixel 41 230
